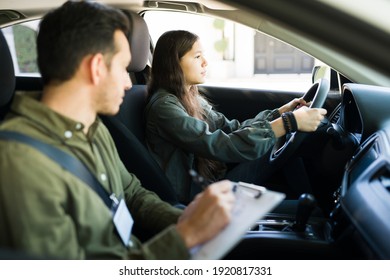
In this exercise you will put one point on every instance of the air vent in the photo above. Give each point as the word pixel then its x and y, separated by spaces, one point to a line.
pixel 334 117
pixel 383 178
pixel 385 181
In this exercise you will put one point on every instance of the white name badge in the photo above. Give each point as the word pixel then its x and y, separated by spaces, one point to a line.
pixel 123 222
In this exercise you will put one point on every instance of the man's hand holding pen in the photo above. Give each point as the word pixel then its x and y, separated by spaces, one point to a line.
pixel 207 214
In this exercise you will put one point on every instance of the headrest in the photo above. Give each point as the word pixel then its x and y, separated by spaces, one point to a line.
pixel 7 74
pixel 139 42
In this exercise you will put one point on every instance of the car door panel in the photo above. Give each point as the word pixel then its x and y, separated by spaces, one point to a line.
pixel 242 103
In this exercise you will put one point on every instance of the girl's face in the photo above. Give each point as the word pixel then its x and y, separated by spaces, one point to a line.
pixel 193 65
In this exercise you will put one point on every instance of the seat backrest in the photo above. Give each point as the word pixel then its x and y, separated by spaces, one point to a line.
pixel 131 112
pixel 7 91
pixel 127 127
pixel 7 77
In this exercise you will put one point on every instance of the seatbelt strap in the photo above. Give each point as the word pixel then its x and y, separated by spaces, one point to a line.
pixel 67 161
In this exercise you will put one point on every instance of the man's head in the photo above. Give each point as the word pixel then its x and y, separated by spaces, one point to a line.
pixel 85 45
pixel 72 32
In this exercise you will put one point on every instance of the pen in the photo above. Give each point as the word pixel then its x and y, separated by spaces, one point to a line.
pixel 198 179
pixel 202 182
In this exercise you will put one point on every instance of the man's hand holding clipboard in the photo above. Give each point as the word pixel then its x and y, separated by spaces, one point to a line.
pixel 251 203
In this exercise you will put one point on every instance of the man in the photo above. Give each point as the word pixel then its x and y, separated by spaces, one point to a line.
pixel 47 211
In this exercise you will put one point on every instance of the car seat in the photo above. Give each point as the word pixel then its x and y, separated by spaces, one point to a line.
pixel 127 127
pixel 7 90
pixel 7 77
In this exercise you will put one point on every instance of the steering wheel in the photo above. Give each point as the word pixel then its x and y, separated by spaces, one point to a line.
pixel 286 146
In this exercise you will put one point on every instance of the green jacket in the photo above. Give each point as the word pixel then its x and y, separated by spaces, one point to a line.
pixel 174 137
pixel 47 212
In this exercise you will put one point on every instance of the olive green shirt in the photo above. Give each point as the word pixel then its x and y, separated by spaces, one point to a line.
pixel 174 138
pixel 49 213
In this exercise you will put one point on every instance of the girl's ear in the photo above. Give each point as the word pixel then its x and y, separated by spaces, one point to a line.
pixel 97 68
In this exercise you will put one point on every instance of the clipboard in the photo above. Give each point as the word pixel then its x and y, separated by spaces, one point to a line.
pixel 252 203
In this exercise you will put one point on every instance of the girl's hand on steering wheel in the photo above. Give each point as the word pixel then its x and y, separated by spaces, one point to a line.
pixel 293 104
pixel 308 119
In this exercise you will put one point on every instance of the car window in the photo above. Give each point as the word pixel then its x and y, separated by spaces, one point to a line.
pixel 21 39
pixel 238 55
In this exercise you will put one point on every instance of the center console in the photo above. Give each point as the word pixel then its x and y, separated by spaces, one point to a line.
pixel 295 234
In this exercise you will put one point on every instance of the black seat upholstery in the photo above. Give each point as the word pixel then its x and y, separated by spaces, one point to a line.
pixel 131 112
pixel 127 127
pixel 7 90
pixel 7 77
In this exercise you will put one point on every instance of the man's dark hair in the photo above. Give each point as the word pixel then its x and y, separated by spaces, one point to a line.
pixel 73 31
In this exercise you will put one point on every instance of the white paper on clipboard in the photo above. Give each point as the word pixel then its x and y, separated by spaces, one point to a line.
pixel 252 203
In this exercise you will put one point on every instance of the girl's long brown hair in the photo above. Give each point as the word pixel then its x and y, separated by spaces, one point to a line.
pixel 167 74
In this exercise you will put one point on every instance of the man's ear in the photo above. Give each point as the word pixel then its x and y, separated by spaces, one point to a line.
pixel 97 68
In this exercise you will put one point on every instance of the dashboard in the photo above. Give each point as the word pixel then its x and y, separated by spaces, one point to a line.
pixel 364 194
